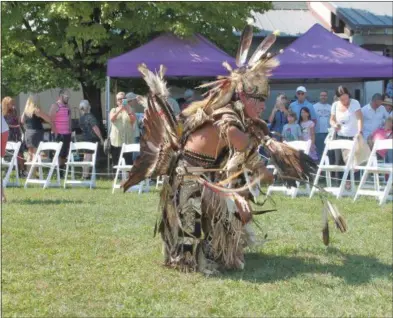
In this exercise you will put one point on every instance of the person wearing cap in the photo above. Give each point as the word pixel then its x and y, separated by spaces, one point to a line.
pixel 188 98
pixel 123 122
pixel 90 131
pixel 374 115
pixel 301 102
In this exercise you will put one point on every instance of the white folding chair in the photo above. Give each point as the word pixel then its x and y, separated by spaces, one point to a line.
pixel 325 166
pixel 40 162
pixel 122 168
pixel 71 163
pixel 376 168
pixel 159 181
pixel 13 147
pixel 293 191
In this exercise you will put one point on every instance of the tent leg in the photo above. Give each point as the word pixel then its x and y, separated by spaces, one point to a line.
pixel 108 107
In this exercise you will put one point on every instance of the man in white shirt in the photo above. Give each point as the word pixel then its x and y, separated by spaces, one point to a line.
pixel 322 110
pixel 374 115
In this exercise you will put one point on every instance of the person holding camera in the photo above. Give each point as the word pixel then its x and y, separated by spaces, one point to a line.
pixel 123 121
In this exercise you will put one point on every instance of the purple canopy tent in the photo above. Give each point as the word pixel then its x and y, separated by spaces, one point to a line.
pixel 192 57
pixel 196 57
pixel 321 54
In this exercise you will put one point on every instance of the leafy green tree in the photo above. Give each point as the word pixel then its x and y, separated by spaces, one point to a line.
pixel 63 44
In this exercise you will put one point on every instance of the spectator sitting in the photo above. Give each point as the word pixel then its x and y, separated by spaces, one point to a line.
pixel 308 130
pixel 322 110
pixel 302 102
pixel 188 98
pixel 380 134
pixel 291 131
pixel 373 115
pixel 388 103
pixel 90 131
pixel 32 119
pixel 278 116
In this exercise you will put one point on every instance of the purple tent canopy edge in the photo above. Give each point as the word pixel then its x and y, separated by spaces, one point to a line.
pixel 321 54
pixel 192 57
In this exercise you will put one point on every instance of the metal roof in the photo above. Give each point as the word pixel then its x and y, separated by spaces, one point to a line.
pixel 291 23
pixel 289 5
pixel 365 14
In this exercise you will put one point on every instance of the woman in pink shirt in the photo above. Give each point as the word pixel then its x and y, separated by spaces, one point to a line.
pixel 60 114
pixel 380 134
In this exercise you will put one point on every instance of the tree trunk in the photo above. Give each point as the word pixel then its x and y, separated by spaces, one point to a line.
pixel 93 95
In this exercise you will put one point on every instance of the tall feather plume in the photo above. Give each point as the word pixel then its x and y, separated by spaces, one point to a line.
pixel 263 48
pixel 244 46
pixel 156 84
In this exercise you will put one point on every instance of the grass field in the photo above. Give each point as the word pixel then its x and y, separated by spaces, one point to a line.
pixel 85 253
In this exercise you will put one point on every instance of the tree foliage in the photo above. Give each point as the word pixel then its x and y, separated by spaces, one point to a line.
pixel 63 44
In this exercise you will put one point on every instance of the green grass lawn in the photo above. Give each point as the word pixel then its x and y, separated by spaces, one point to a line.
pixel 88 253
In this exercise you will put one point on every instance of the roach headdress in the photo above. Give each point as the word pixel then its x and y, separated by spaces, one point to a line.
pixel 250 77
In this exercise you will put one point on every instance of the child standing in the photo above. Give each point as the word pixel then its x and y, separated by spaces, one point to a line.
pixel 308 131
pixel 291 131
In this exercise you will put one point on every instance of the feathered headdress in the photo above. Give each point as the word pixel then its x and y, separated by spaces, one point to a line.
pixel 250 78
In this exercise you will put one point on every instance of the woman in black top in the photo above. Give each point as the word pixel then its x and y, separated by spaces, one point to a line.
pixel 32 119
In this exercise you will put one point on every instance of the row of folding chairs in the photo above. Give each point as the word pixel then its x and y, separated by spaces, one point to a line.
pixel 43 160
pixel 377 169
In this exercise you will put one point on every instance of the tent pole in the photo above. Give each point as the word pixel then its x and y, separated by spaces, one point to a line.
pixel 107 108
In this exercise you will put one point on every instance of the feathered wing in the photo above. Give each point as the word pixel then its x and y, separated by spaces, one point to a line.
pixel 290 163
pixel 159 141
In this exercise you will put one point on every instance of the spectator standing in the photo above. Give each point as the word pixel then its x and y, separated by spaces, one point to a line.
pixel 12 119
pixel 32 119
pixel 297 105
pixel 189 97
pixel 374 115
pixel 60 114
pixel 389 89
pixel 292 130
pixel 308 130
pixel 174 105
pixel 122 127
pixel 90 131
pixel 347 120
pixel 4 138
pixel 322 110
pixel 278 116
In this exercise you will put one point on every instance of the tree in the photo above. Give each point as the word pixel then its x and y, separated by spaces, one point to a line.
pixel 63 44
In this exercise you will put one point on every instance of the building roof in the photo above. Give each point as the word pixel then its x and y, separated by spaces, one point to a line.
pixel 290 23
pixel 365 14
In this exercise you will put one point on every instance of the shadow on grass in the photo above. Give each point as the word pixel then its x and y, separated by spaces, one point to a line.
pixel 355 270
pixel 45 201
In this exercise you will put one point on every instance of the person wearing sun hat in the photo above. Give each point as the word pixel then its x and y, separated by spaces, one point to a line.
pixel 297 105
pixel 388 103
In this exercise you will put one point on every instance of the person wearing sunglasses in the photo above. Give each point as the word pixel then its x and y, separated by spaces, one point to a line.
pixel 300 102
pixel 60 114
